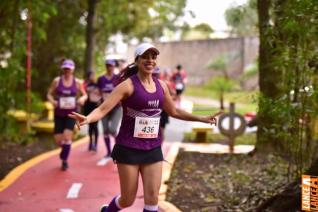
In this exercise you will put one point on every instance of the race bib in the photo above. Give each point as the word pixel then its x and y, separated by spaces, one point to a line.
pixel 67 102
pixel 146 127
pixel 179 86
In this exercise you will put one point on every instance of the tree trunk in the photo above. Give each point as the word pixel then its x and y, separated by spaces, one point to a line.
pixel 263 7
pixel 90 36
pixel 269 77
pixel 14 24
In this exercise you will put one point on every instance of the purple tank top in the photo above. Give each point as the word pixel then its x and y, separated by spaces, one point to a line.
pixel 141 117
pixel 107 85
pixel 66 97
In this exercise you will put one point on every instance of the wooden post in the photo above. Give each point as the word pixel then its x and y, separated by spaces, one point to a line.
pixel 231 136
pixel 231 132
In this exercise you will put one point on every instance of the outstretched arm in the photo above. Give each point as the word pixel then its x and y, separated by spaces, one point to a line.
pixel 50 92
pixel 82 99
pixel 171 109
pixel 122 91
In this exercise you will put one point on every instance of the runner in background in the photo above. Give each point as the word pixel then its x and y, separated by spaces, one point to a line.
pixel 179 78
pixel 138 147
pixel 94 99
pixel 106 83
pixel 63 94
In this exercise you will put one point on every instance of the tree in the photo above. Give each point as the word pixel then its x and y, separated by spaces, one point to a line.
pixel 90 38
pixel 13 15
pixel 139 19
pixel 66 37
pixel 222 84
pixel 243 19
pixel 63 37
pixel 287 107
pixel 59 32
pixel 267 77
pixel 200 31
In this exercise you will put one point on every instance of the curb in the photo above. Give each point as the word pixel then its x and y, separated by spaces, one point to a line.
pixel 15 173
pixel 166 172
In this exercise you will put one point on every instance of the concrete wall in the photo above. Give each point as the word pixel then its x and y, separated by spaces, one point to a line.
pixel 194 56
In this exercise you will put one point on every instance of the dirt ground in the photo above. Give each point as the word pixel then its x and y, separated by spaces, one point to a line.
pixel 13 154
pixel 223 182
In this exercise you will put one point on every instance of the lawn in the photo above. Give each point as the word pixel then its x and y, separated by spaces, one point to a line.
pixel 207 110
pixel 246 138
pixel 245 100
pixel 242 97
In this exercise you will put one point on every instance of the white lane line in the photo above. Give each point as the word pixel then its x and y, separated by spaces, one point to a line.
pixel 65 210
pixel 74 190
pixel 103 161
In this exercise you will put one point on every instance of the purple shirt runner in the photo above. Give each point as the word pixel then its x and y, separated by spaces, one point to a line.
pixel 140 124
pixel 107 85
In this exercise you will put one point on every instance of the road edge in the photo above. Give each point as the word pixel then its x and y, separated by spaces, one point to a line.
pixel 166 172
pixel 16 172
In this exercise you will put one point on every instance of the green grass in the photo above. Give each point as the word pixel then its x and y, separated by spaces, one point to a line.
pixel 242 97
pixel 200 91
pixel 245 100
pixel 204 110
pixel 247 139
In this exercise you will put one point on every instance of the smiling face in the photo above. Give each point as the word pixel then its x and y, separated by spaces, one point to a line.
pixel 147 61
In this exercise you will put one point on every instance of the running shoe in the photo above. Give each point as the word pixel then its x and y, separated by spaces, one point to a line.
pixel 94 148
pixel 90 146
pixel 104 208
pixel 64 165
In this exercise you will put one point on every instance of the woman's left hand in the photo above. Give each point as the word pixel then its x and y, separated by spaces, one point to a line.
pixel 211 119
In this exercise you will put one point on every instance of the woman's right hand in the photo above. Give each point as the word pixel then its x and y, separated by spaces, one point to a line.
pixel 79 118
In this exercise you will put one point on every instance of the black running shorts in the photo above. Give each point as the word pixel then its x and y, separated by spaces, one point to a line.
pixel 126 155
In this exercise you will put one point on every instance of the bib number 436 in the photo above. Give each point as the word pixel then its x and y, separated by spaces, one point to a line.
pixel 146 127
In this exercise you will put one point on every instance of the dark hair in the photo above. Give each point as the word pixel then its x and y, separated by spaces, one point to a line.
pixel 61 60
pixel 179 67
pixel 88 74
pixel 128 71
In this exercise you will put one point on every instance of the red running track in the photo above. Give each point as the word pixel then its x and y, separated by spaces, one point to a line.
pixel 44 187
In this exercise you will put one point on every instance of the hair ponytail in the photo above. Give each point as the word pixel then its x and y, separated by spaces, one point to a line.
pixel 127 72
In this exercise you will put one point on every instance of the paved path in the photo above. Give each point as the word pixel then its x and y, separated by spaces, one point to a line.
pixel 88 184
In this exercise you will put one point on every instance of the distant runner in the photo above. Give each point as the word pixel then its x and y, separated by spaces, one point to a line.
pixel 94 99
pixel 111 121
pixel 63 94
pixel 179 78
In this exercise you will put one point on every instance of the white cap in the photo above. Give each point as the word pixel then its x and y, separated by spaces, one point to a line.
pixel 142 48
pixel 67 63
